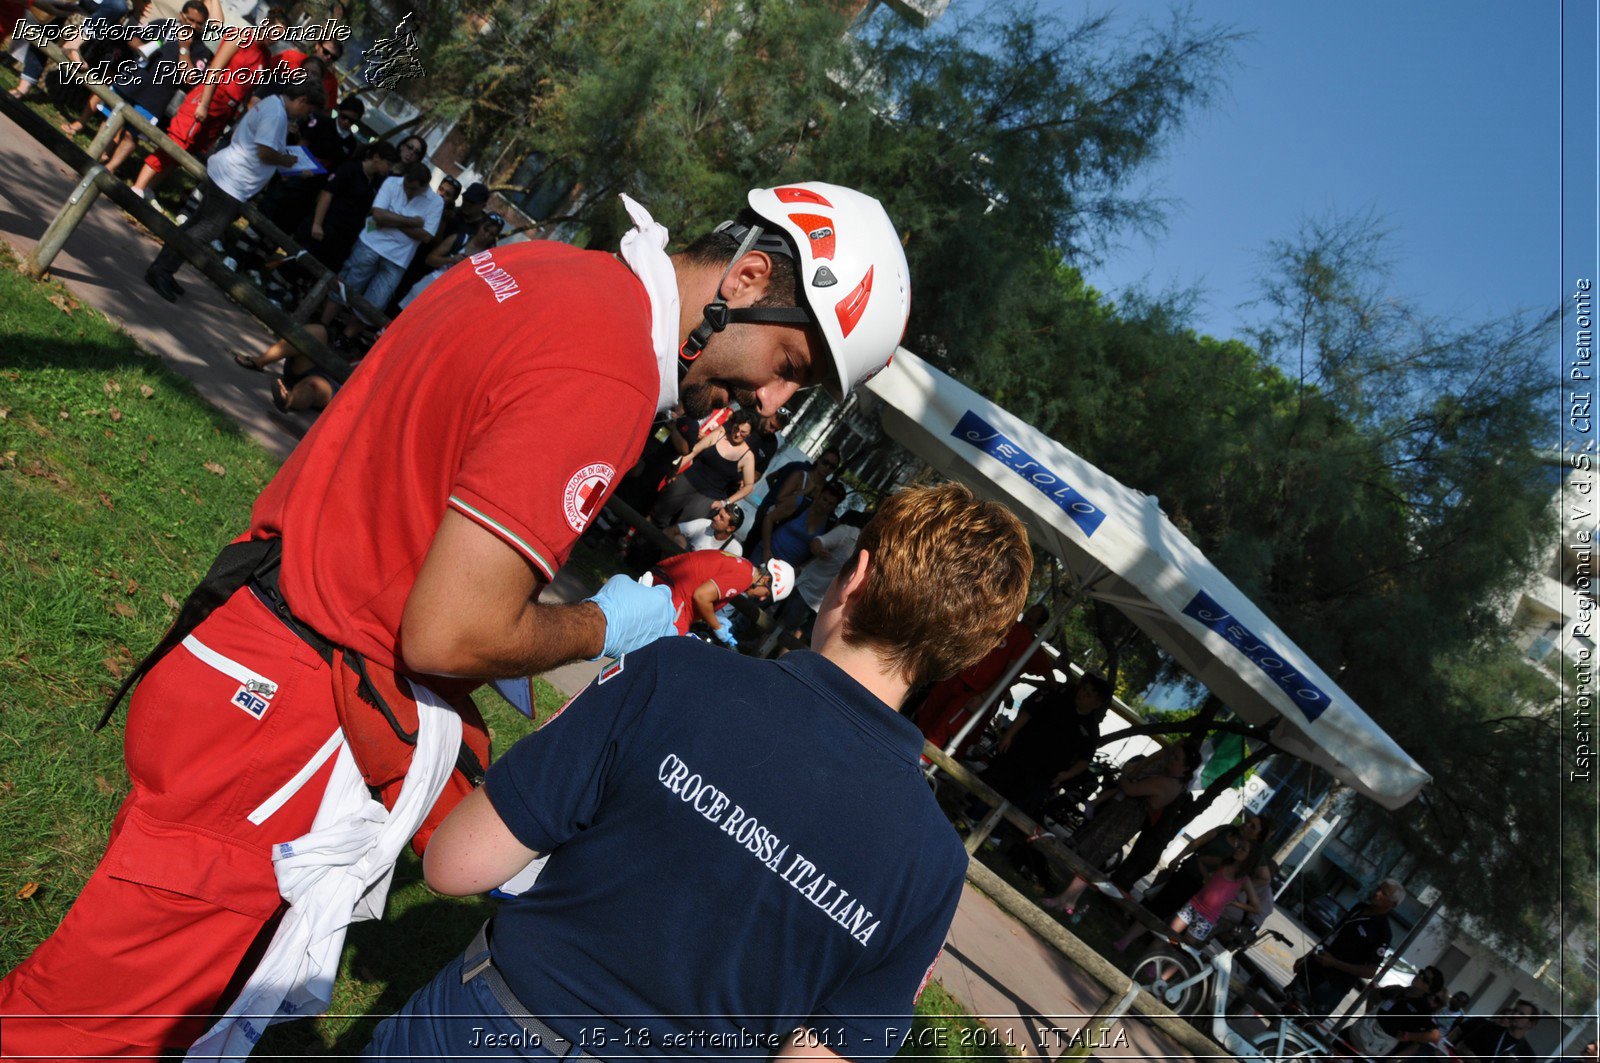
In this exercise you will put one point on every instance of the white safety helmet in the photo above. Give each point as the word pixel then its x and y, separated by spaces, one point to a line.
pixel 853 281
pixel 782 574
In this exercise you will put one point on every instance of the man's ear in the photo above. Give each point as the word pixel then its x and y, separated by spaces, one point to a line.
pixel 747 281
pixel 854 577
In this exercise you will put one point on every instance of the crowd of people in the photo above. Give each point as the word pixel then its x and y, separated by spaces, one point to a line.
pixel 1220 886
pixel 263 110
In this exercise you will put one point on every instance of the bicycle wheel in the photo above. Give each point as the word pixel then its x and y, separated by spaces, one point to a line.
pixel 1287 1041
pixel 1172 976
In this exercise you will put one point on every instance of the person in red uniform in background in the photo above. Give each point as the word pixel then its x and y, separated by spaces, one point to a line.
pixel 703 581
pixel 405 543
pixel 213 104
pixel 950 704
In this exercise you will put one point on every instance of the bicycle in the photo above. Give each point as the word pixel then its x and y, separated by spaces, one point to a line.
pixel 1183 977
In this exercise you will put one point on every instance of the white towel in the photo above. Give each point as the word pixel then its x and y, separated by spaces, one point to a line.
pixel 333 876
pixel 644 249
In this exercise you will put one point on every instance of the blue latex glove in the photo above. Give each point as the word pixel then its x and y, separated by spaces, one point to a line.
pixel 517 691
pixel 635 615
pixel 724 635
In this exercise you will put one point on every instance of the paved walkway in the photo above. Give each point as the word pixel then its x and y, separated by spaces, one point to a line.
pixel 992 964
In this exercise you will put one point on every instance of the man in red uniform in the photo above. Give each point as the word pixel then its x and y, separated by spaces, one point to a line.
pixel 405 542
pixel 211 106
pixel 703 581
pixel 950 704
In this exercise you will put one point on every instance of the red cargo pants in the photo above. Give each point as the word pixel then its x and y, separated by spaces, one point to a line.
pixel 223 742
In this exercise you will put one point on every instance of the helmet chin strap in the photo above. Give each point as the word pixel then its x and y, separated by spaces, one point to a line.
pixel 718 316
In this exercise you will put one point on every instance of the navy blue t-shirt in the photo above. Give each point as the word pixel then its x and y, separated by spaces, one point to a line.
pixel 739 847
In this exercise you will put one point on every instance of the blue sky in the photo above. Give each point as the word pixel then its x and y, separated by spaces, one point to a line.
pixel 1442 118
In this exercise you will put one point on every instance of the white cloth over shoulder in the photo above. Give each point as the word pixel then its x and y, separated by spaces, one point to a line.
pixel 333 876
pixel 644 249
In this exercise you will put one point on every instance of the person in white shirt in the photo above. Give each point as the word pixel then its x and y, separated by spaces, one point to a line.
pixel 405 214
pixel 715 532
pixel 829 552
pixel 259 148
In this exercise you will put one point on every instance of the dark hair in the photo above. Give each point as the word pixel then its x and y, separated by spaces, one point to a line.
pixel 308 90
pixel 735 517
pixel 834 485
pixel 741 417
pixel 422 143
pixel 355 109
pixel 337 47
pixel 856 518
pixel 1098 684
pixel 417 173
pixel 838 455
pixel 194 5
pixel 717 250
pixel 381 149
pixel 1252 857
pixel 276 13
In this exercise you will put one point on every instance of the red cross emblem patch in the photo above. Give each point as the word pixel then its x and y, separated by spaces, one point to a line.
pixel 585 491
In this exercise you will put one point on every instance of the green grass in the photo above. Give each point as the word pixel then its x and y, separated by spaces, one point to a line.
pixel 943 1029
pixel 117 486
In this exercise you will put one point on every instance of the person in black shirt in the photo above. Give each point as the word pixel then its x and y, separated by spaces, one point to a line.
pixel 1051 743
pixel 333 140
pixel 1348 957
pixel 768 442
pixel 1404 1018
pixel 1485 1039
pixel 342 207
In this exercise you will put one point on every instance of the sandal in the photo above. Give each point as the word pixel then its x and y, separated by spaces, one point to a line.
pixel 1056 904
pixel 247 361
pixel 280 396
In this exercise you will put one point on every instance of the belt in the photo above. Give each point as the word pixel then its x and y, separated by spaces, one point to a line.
pixel 479 963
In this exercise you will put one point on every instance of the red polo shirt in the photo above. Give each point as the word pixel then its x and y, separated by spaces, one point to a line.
pixel 511 391
pixel 686 573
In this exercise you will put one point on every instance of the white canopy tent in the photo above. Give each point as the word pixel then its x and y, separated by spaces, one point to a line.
pixel 1119 548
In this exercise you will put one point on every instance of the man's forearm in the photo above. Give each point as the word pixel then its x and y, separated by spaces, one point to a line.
pixel 388 219
pixel 707 612
pixel 542 637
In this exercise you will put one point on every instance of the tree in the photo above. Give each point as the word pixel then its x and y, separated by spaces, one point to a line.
pixel 1370 477
pixel 710 101
pixel 1005 146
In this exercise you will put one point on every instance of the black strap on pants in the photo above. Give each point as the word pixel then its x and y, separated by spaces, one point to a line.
pixel 236 566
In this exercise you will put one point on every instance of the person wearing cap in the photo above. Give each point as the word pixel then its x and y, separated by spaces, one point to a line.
pixel 743 858
pixel 474 206
pixel 703 581
pixel 401 549
pixel 455 250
